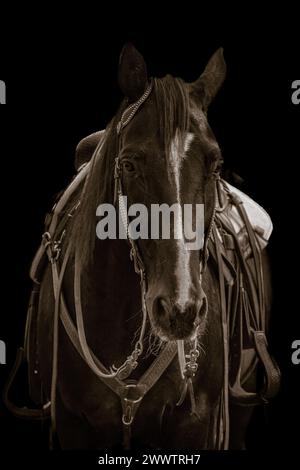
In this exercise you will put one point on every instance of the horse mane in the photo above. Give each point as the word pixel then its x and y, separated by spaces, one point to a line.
pixel 98 188
pixel 172 103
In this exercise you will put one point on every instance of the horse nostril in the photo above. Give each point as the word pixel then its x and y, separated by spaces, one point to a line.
pixel 161 306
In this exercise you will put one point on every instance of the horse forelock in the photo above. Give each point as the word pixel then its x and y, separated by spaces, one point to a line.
pixel 173 108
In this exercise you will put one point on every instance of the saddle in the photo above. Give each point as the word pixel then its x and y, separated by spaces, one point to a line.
pixel 240 234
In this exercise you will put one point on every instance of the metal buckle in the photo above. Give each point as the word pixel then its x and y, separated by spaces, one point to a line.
pixel 130 402
pixel 54 246
pixel 46 239
pixel 127 368
pixel 117 167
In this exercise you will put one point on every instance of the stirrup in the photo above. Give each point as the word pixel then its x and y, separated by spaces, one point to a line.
pixel 272 377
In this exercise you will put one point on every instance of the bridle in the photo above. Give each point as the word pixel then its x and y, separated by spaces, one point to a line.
pixel 187 369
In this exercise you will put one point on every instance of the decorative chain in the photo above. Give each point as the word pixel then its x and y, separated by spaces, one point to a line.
pixel 132 109
pixel 192 364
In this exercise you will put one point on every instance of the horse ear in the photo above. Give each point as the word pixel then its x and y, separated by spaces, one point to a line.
pixel 132 73
pixel 206 87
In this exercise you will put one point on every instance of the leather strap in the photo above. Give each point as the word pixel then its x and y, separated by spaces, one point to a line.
pixel 130 394
pixel 22 412
pixel 147 381
pixel 57 288
pixel 40 254
pixel 249 318
pixel 224 425
pixel 30 346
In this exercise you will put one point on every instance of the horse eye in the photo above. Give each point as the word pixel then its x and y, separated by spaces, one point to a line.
pixel 128 166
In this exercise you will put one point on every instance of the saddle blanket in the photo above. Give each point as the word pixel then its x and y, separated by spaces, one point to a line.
pixel 258 218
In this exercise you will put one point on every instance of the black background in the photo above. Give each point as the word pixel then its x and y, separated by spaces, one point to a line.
pixel 61 76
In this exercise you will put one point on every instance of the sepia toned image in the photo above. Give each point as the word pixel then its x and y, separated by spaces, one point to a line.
pixel 151 316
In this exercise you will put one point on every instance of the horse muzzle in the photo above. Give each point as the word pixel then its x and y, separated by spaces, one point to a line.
pixel 172 321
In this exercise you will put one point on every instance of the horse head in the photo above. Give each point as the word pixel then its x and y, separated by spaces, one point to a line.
pixel 168 155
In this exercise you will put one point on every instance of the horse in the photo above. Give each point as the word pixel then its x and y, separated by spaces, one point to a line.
pixel 139 359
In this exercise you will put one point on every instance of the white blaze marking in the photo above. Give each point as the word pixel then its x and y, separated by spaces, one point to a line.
pixel 182 270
